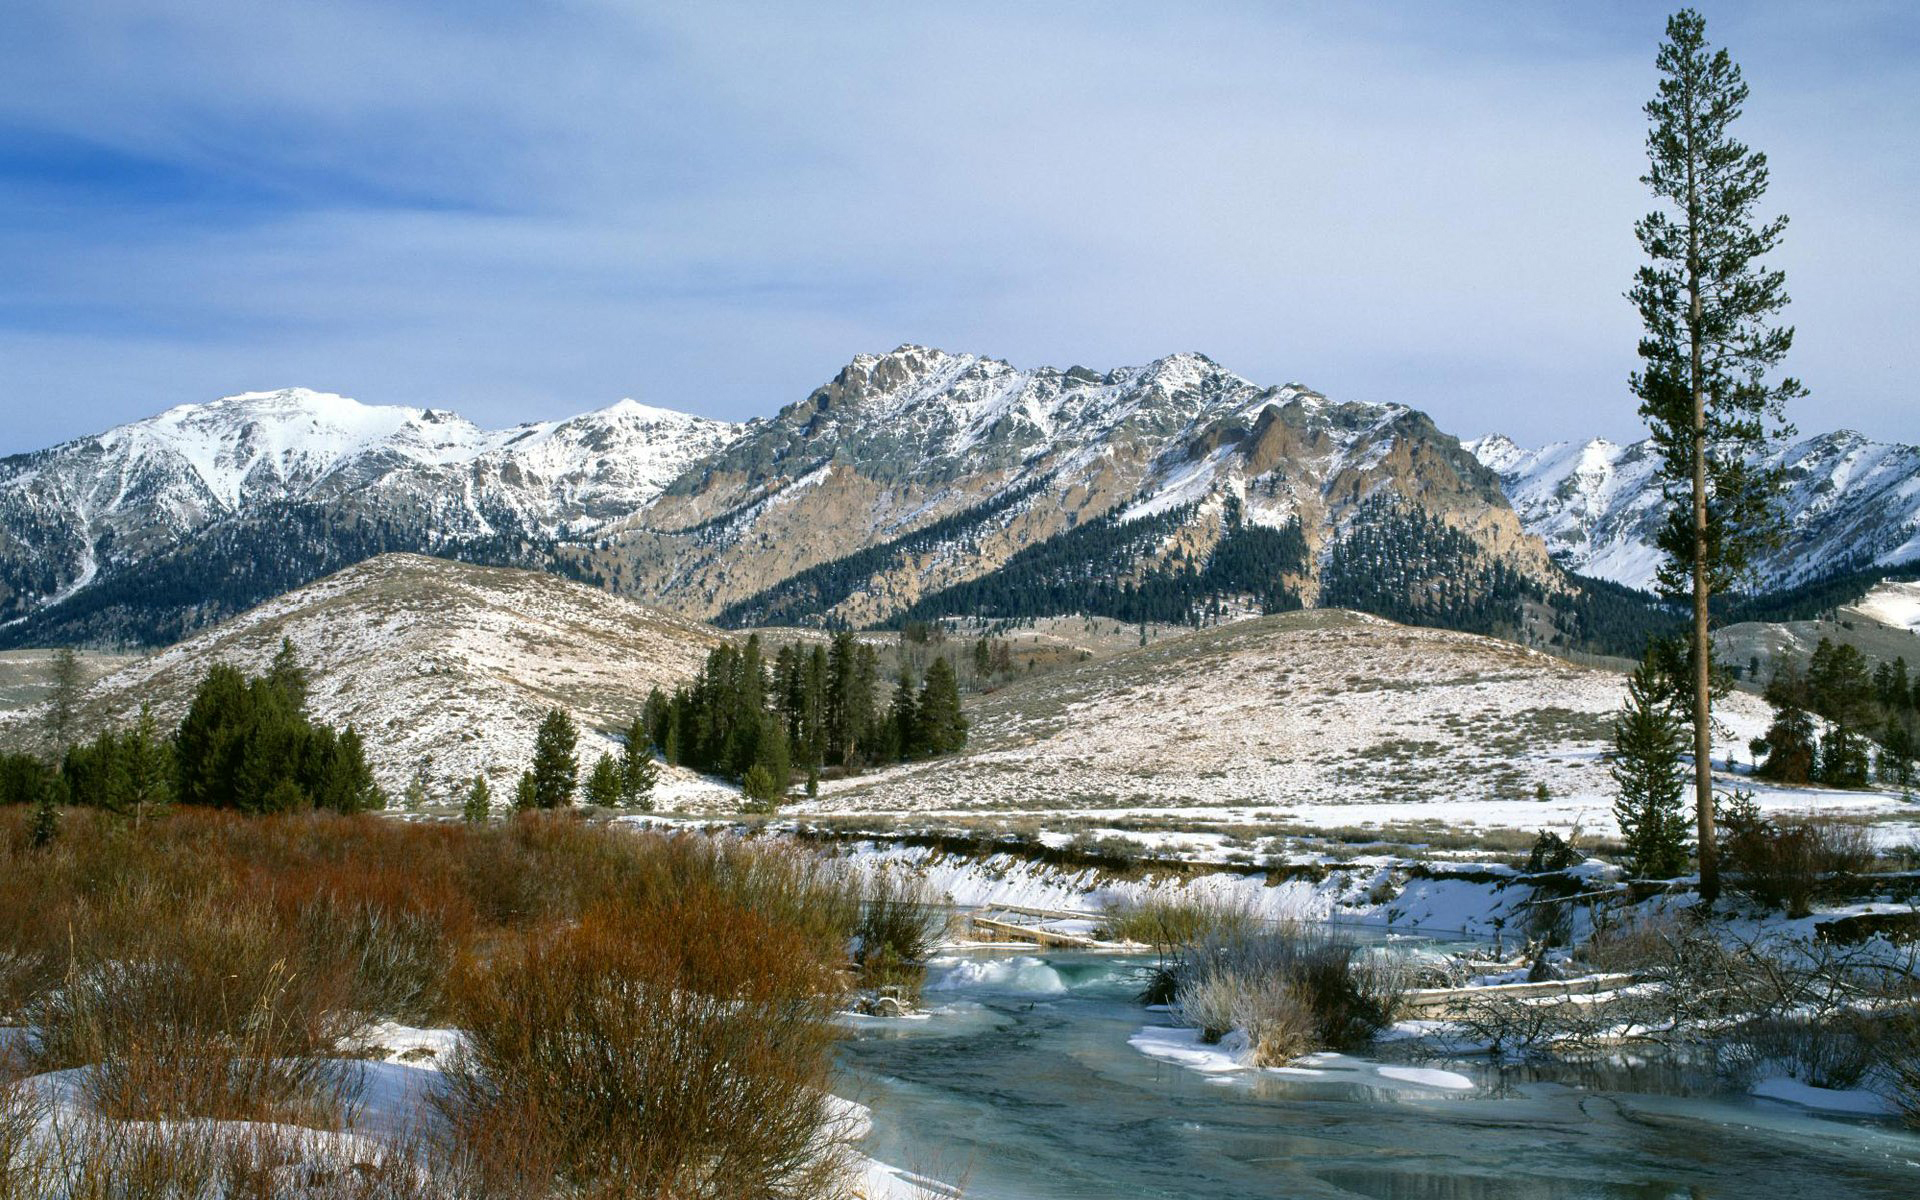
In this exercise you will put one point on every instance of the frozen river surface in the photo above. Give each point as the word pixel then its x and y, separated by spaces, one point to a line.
pixel 1023 1084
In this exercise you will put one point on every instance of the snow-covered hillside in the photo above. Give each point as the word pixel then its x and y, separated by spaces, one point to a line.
pixel 443 667
pixel 1849 502
pixel 1320 719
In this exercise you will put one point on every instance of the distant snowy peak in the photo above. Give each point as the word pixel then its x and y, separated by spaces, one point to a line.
pixel 86 510
pixel 1849 502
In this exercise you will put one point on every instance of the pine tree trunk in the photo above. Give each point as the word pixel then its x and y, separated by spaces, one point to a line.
pixel 1702 646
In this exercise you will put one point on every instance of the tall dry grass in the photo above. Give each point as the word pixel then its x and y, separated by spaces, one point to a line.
pixel 648 1013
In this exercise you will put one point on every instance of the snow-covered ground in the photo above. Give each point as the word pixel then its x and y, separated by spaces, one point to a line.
pixel 1321 720
pixel 397 1070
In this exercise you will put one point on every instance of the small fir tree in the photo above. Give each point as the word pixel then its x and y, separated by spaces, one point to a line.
pixel 556 769
pixel 286 674
pixel 479 802
pixel 942 728
pixel 1649 739
pixel 604 784
pixel 526 793
pixel 145 769
pixel 44 825
pixel 63 701
pixel 638 775
pixel 758 791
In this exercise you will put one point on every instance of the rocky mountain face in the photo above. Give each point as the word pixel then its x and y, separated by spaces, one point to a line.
pixel 1850 503
pixel 152 529
pixel 919 471
pixel 917 482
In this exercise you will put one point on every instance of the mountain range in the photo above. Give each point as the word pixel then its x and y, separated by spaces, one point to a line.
pixel 1850 504
pixel 917 483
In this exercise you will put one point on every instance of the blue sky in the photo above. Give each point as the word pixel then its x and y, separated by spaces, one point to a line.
pixel 527 210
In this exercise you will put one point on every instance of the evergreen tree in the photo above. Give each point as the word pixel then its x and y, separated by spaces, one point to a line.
pixel 145 771
pixel 604 783
pixel 478 805
pixel 1898 749
pixel 942 728
pixel 556 770
pixel 44 825
pixel 1708 348
pixel 286 674
pixel 1789 741
pixel 903 720
pixel 526 793
pixel 211 735
pixel 638 775
pixel 759 792
pixel 345 783
pixel 1843 759
pixel 63 700
pixel 1649 738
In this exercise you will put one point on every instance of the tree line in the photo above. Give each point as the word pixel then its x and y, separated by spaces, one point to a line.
pixel 1871 716
pixel 811 709
pixel 246 743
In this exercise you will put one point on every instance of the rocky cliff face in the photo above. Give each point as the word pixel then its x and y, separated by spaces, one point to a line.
pixel 951 464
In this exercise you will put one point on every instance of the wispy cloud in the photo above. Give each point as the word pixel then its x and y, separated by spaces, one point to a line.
pixel 523 210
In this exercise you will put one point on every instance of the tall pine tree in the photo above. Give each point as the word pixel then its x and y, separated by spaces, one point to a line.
pixel 1708 350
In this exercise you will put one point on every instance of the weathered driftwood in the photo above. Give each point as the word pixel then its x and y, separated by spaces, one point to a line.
pixel 1430 1001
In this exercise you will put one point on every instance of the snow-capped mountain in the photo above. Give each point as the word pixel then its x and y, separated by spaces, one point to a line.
pixel 919 470
pixel 1849 503
pixel 1150 489
pixel 267 471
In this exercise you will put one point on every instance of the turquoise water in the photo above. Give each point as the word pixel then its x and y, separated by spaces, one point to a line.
pixel 1023 1085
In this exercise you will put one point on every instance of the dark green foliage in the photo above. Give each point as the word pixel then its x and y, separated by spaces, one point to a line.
pixel 130 773
pixel 1403 563
pixel 1649 738
pixel 1808 601
pixel 1706 304
pixel 247 744
pixel 1551 852
pixel 604 782
pixel 1789 741
pixel 903 722
pixel 23 778
pixel 526 795
pixel 759 790
pixel 234 565
pixel 478 805
pixel 63 702
pixel 1602 617
pixel 814 707
pixel 1856 703
pixel 556 769
pixel 940 727
pixel 638 775
pixel 1089 568
pixel 45 824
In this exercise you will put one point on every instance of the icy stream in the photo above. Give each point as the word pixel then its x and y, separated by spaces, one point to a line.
pixel 1024 1084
